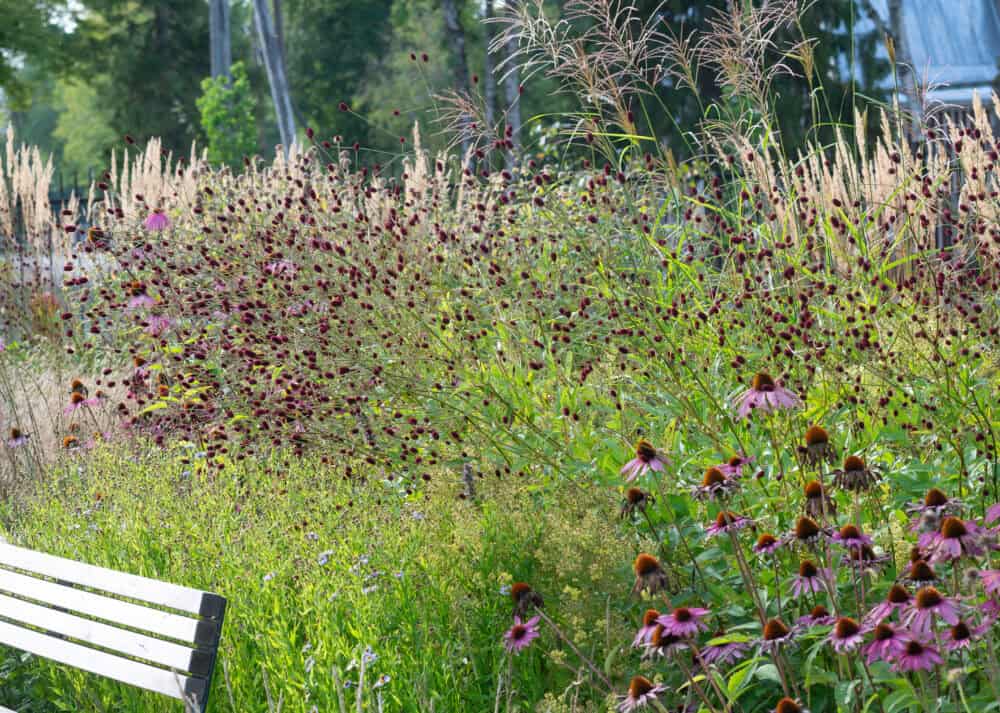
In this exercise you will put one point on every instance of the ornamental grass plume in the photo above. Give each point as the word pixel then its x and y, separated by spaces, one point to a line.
pixel 765 395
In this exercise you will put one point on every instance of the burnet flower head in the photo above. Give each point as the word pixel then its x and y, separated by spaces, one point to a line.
pixel 765 395
pixel 647 458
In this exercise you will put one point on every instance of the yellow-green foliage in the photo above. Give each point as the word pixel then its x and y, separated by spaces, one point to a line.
pixel 416 578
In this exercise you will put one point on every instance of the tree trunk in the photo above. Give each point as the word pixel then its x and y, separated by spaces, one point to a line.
pixel 512 96
pixel 489 80
pixel 456 39
pixel 279 27
pixel 275 72
pixel 222 54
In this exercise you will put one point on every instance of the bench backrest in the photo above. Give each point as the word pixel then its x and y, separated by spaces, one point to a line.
pixel 150 634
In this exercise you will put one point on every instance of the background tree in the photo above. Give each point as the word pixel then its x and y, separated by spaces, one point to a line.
pixel 149 60
pixel 29 32
pixel 227 117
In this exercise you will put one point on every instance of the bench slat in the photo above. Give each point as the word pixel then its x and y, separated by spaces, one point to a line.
pixel 166 624
pixel 122 641
pixel 125 585
pixel 102 664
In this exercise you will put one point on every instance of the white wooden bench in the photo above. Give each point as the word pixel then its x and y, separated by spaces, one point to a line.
pixel 149 634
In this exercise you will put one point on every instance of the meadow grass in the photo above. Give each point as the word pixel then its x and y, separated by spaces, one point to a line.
pixel 320 576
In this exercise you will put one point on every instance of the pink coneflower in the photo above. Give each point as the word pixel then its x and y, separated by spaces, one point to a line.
pixel 819 616
pixel 725 522
pixel 684 621
pixel 897 599
pixel 992 512
pixel 521 634
pixel 789 705
pixel 157 220
pixel 960 637
pixel 715 484
pixel 649 575
pixel 733 468
pixel 636 500
pixel 818 448
pixel 888 643
pixel 806 532
pixel 928 513
pixel 921 574
pixel 953 540
pixel 525 598
pixel 929 603
pixel 855 476
pixel 819 504
pixel 78 401
pixel 776 635
pixel 17 438
pixel 663 644
pixel 809 579
pixel 765 395
pixel 645 632
pixel 850 536
pixel 766 545
pixel 991 580
pixel 647 458
pixel 280 268
pixel 157 325
pixel 846 635
pixel 865 559
pixel 641 692
pixel 721 650
pixel 916 656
